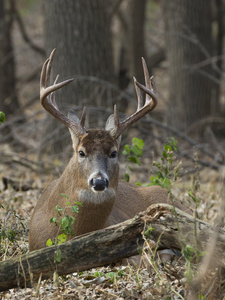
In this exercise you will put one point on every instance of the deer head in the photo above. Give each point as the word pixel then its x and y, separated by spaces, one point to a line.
pixel 95 150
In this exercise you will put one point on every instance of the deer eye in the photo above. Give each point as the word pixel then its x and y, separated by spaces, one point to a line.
pixel 81 153
pixel 114 154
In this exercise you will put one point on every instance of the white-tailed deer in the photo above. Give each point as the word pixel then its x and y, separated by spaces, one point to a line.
pixel 91 177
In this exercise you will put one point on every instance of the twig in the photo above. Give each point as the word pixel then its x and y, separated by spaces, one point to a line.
pixel 14 158
pixel 24 34
pixel 201 162
pixel 183 136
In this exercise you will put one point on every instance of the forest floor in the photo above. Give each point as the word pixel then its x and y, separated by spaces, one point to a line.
pixel 152 279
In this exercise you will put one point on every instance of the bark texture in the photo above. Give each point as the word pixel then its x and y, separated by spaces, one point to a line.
pixel 9 102
pixel 192 87
pixel 112 244
pixel 82 36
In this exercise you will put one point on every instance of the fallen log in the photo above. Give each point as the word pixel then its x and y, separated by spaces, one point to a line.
pixel 111 244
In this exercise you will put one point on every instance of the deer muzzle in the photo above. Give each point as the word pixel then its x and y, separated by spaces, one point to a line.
pixel 99 182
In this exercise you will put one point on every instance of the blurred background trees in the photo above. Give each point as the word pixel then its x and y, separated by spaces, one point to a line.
pixel 100 44
pixel 191 45
pixel 9 100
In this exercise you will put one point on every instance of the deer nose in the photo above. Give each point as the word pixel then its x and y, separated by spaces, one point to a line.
pixel 99 184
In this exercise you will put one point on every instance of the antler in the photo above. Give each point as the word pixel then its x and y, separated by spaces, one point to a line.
pixel 142 108
pixel 47 97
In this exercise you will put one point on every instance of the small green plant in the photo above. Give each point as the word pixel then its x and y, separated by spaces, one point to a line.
pixel 5 231
pixel 167 170
pixel 64 221
pixel 133 153
pixel 166 175
pixel 113 276
pixel 10 227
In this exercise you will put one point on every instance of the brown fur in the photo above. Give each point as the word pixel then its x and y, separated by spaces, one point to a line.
pixel 119 202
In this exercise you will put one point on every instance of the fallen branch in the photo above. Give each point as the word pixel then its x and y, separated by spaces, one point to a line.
pixel 109 245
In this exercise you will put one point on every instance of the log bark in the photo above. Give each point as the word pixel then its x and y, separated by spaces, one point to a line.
pixel 112 244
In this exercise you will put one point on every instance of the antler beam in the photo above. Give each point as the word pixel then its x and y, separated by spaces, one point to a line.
pixel 142 108
pixel 47 97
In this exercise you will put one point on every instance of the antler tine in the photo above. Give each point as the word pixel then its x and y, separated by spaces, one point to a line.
pixel 147 79
pixel 47 97
pixel 52 95
pixel 83 116
pixel 139 95
pixel 142 108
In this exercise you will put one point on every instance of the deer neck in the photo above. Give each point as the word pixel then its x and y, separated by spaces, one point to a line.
pixel 96 207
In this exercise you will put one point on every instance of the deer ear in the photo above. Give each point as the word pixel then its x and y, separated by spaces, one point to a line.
pixel 74 137
pixel 109 126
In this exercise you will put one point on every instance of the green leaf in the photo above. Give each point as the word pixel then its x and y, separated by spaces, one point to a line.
pixel 65 196
pixel 75 209
pixel 193 197
pixel 126 150
pixel 120 273
pixel 149 231
pixel 58 209
pixel 138 152
pixel 134 160
pixel 166 183
pixel 54 220
pixel 49 243
pixel 64 222
pixel 138 142
pixel 2 117
pixel 154 180
pixel 173 143
pixel 164 154
pixel 168 148
pixel 71 220
pixel 62 238
pixel 11 234
pixel 98 274
pixel 111 275
pixel 188 253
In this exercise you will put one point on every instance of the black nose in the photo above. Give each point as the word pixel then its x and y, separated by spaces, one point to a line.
pixel 99 184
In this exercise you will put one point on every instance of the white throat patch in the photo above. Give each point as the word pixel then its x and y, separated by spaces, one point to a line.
pixel 93 197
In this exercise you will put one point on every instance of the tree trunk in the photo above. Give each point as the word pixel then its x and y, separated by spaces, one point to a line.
pixel 130 24
pixel 8 97
pixel 112 244
pixel 82 36
pixel 137 41
pixel 192 88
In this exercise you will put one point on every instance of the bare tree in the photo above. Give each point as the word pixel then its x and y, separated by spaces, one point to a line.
pixel 193 87
pixel 81 33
